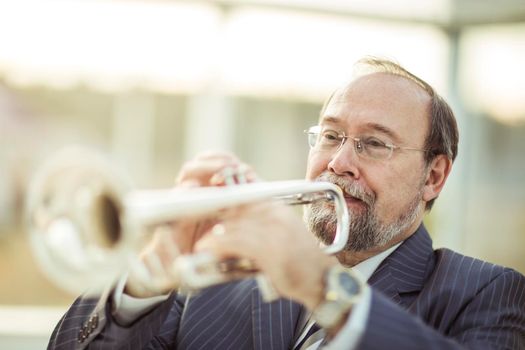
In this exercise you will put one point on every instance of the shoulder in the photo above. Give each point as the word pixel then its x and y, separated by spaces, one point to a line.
pixel 454 267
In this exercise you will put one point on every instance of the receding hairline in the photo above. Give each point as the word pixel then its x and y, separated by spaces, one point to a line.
pixel 418 90
pixel 371 65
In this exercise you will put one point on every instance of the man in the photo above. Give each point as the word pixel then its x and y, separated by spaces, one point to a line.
pixel 389 141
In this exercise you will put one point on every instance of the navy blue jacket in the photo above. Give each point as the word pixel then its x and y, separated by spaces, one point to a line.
pixel 421 299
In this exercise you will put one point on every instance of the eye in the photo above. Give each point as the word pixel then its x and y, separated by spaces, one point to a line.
pixel 373 142
pixel 330 135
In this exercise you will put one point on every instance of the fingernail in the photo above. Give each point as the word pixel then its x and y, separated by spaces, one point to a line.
pixel 189 184
pixel 228 174
pixel 217 179
pixel 218 230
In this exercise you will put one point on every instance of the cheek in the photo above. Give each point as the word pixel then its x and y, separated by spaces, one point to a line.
pixel 382 179
pixel 316 165
pixel 395 189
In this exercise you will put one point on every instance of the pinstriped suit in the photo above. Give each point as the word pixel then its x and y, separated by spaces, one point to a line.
pixel 421 299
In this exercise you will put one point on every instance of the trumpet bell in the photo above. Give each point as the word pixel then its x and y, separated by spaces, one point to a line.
pixel 73 215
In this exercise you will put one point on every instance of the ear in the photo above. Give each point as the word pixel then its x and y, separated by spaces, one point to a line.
pixel 436 176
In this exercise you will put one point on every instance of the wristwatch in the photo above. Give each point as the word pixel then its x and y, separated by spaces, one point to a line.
pixel 342 289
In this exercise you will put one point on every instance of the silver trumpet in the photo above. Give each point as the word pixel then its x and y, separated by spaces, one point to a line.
pixel 87 225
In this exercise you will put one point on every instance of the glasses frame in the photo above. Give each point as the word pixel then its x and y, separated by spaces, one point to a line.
pixel 358 146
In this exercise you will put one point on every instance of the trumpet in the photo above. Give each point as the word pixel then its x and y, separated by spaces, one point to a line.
pixel 87 224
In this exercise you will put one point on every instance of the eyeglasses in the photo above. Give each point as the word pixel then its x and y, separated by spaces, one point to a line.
pixel 365 146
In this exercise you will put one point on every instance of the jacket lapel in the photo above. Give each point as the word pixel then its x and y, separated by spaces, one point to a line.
pixel 402 272
pixel 406 269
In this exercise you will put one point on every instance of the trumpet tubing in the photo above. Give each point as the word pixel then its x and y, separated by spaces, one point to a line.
pixel 87 225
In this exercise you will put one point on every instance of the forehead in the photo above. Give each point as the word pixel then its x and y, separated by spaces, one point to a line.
pixel 380 100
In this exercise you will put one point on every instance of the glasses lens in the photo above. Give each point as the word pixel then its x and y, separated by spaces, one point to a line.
pixel 312 139
pixel 376 149
pixel 313 135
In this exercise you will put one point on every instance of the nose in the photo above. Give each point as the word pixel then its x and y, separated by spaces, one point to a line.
pixel 345 161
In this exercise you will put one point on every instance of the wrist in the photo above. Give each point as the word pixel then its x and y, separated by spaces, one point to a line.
pixel 139 288
pixel 313 287
pixel 342 289
pixel 140 291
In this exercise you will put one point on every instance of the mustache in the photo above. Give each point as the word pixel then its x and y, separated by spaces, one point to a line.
pixel 350 188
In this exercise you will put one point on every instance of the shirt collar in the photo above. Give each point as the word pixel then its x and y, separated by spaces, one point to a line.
pixel 367 267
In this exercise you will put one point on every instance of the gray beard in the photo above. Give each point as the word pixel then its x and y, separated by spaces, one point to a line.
pixel 366 230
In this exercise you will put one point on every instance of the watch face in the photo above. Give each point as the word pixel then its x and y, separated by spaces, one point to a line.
pixel 349 284
pixel 342 291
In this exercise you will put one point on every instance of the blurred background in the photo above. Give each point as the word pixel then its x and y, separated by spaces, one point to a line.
pixel 152 83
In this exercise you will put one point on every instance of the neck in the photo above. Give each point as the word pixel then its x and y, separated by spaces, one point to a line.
pixel 352 258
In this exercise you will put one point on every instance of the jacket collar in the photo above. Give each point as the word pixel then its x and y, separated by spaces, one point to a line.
pixel 407 268
pixel 403 271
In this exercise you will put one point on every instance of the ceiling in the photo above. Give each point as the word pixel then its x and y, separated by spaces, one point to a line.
pixel 444 13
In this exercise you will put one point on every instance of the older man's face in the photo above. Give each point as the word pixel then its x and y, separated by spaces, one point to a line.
pixel 384 197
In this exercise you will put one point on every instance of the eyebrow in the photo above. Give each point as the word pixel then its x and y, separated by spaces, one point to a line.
pixel 383 129
pixel 374 126
pixel 330 119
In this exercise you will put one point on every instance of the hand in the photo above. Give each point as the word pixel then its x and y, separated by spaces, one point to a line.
pixel 207 169
pixel 153 274
pixel 278 243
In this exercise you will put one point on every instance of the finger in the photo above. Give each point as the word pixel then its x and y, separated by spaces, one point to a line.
pixel 226 246
pixel 207 168
pixel 226 176
pixel 151 274
pixel 187 232
pixel 188 183
pixel 166 240
pixel 155 265
pixel 224 155
pixel 235 174
pixel 162 245
pixel 218 229
pixel 255 209
pixel 245 174
pixel 200 170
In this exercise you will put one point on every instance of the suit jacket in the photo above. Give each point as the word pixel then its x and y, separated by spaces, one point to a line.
pixel 421 299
